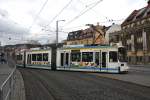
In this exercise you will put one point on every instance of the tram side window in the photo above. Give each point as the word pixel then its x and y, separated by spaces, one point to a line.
pixel 87 56
pixel 39 57
pixel 45 56
pixel 76 56
pixel 19 57
pixel 113 56
pixel 33 57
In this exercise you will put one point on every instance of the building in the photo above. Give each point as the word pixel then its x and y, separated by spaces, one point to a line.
pixel 92 35
pixel 136 36
pixel 113 34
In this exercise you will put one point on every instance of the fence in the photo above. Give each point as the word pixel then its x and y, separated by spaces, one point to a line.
pixel 7 88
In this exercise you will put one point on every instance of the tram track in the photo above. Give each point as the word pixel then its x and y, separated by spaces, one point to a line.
pixel 64 85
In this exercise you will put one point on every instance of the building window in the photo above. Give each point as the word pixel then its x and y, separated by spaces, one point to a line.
pixel 139 58
pixel 149 58
pixel 129 59
pixel 87 41
pixel 138 23
pixel 143 21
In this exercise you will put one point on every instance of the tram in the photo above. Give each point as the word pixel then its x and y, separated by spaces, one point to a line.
pixel 20 58
pixel 92 58
pixel 76 57
pixel 34 58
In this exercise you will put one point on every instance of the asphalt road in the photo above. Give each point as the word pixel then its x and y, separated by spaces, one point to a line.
pixel 63 85
pixel 137 75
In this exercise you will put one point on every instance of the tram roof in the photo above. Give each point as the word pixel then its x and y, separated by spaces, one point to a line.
pixel 87 46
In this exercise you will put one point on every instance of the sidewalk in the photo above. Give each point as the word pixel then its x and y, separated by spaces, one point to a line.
pixel 5 70
pixel 145 68
pixel 137 75
pixel 19 90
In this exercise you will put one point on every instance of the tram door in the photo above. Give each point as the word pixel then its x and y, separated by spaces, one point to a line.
pixel 67 59
pixel 62 59
pixel 29 59
pixel 104 59
pixel 97 58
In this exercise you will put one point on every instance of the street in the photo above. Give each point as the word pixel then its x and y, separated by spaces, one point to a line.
pixel 136 74
pixel 67 85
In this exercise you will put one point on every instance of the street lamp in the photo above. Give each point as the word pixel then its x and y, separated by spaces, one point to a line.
pixel 57 30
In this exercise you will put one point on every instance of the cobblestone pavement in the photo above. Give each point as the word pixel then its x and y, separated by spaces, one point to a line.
pixel 63 85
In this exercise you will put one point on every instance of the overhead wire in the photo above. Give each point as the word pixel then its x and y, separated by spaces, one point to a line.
pixel 84 11
pixel 74 27
pixel 34 20
pixel 60 12
pixel 107 18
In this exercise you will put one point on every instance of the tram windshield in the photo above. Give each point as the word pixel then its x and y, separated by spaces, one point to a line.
pixel 122 54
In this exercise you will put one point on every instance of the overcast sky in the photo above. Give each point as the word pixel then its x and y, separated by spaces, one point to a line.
pixel 21 20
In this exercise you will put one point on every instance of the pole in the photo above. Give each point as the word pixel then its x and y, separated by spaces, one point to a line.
pixel 24 62
pixel 56 32
pixel 57 29
pixel 54 49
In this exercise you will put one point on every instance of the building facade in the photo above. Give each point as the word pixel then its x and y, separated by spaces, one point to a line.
pixel 135 35
pixel 113 34
pixel 92 35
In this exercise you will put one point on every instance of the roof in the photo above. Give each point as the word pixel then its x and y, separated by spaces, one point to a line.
pixel 114 28
pixel 138 15
pixel 86 33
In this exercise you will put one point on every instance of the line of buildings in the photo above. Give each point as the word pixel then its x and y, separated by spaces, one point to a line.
pixel 133 33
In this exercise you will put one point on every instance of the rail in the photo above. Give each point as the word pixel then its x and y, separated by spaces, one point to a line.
pixel 7 88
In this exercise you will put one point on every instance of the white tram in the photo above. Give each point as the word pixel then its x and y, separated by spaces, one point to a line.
pixel 76 57
pixel 34 58
pixel 20 58
pixel 92 58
